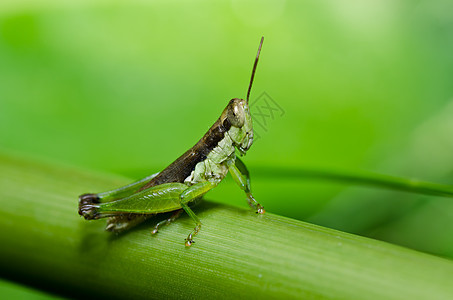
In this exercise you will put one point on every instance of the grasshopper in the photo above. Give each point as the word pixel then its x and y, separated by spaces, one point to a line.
pixel 189 177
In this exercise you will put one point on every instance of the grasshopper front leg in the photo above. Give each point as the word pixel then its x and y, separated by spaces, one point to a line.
pixel 241 175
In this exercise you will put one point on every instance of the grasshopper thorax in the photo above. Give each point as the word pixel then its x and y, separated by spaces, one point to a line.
pixel 236 116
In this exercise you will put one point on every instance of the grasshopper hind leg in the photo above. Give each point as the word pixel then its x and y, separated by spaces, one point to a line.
pixel 88 203
pixel 87 206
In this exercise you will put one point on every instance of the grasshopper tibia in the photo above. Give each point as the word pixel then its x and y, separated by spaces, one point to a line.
pixel 172 218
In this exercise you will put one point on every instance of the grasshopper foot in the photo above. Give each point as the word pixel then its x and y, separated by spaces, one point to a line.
pixel 260 209
pixel 254 204
pixel 189 240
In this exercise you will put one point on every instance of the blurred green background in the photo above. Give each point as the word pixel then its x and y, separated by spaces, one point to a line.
pixel 127 86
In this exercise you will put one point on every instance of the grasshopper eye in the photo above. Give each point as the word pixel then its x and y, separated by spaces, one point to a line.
pixel 236 115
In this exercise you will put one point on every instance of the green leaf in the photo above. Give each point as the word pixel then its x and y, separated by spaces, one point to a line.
pixel 236 254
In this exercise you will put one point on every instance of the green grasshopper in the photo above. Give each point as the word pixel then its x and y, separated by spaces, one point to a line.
pixel 189 177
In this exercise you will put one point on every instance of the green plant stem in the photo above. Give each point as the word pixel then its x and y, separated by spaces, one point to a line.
pixel 237 253
pixel 359 178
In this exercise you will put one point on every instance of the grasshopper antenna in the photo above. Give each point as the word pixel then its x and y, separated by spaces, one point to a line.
pixel 254 69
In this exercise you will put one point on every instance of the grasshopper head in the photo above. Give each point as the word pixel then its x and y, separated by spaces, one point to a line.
pixel 237 118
